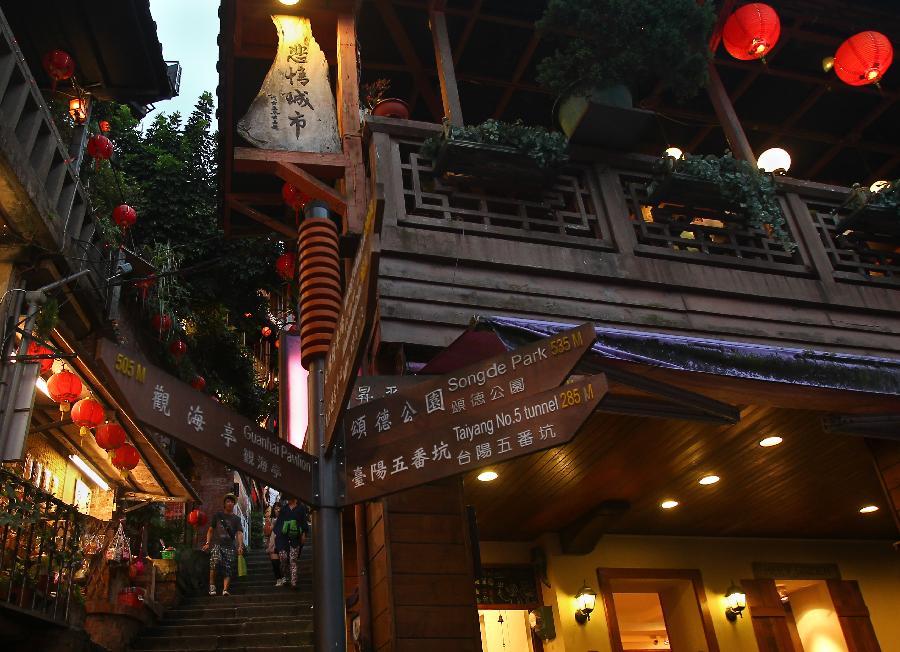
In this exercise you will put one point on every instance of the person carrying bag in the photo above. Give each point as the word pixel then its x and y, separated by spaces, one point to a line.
pixel 290 531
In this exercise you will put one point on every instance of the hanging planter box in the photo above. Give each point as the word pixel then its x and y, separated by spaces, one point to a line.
pixel 872 220
pixel 606 119
pixel 501 166
pixel 680 188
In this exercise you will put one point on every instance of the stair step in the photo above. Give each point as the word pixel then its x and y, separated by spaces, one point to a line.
pixel 301 615
pixel 201 627
pixel 232 612
pixel 300 647
pixel 196 643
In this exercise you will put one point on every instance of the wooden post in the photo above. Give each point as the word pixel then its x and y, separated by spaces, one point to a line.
pixel 354 184
pixel 443 55
pixel 734 132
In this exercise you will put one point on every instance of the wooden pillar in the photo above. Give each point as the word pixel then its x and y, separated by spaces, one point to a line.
pixel 734 132
pixel 354 183
pixel 421 576
pixel 853 616
pixel 443 55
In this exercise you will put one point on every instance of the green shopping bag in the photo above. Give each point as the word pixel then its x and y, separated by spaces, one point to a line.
pixel 242 566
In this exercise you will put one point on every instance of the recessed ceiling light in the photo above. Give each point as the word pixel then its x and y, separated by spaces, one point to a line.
pixel 868 509
pixel 709 479
pixel 289 2
pixel 487 476
pixel 668 504
pixel 770 441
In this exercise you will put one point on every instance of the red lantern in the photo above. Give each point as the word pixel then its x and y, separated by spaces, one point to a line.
pixel 110 436
pixel 751 31
pixel 104 126
pixel 88 414
pixel 198 383
pixel 178 348
pixel 125 457
pixel 293 197
pixel 39 349
pixel 266 331
pixel 64 387
pixel 124 216
pixel 197 518
pixel 59 66
pixel 863 58
pixel 100 148
pixel 285 265
pixel 161 323
pixel 143 286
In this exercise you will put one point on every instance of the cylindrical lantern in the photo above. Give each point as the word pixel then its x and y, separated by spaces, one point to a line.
pixel 59 65
pixel 124 216
pixel 77 111
pixel 39 349
pixel 197 518
pixel 198 383
pixel 863 58
pixel 109 436
pixel 178 348
pixel 751 31
pixel 100 148
pixel 87 413
pixel 64 387
pixel 285 265
pixel 161 323
pixel 125 457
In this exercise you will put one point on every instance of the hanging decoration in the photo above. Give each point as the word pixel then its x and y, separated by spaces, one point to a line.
pixel 177 348
pixel 197 518
pixel 39 349
pixel 198 383
pixel 143 287
pixel 99 148
pixel 125 457
pixel 863 58
pixel 266 331
pixel 751 31
pixel 285 265
pixel 161 323
pixel 295 199
pixel 124 216
pixel 119 549
pixel 110 436
pixel 64 387
pixel 77 110
pixel 87 413
pixel 59 66
pixel 104 126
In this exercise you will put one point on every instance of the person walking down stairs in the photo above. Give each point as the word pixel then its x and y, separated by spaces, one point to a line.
pixel 290 534
pixel 226 536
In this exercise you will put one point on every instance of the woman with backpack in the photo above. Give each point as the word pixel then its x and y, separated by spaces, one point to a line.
pixel 290 533
pixel 269 531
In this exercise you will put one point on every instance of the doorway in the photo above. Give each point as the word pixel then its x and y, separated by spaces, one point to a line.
pixel 656 609
pixel 505 630
pixel 811 616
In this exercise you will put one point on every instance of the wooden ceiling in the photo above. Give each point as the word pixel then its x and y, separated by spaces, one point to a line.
pixel 810 486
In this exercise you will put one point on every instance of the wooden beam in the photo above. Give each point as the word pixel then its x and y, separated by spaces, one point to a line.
pixel 408 51
pixel 313 161
pixel 307 183
pixel 734 132
pixel 521 67
pixel 443 55
pixel 474 15
pixel 788 124
pixel 354 182
pixel 279 227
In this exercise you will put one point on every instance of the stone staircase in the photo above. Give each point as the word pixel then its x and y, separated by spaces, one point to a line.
pixel 256 617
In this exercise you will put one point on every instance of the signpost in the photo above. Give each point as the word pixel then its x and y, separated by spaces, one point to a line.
pixel 352 331
pixel 373 388
pixel 488 435
pixel 173 407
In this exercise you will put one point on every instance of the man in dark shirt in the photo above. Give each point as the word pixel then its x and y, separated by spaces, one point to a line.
pixel 290 532
pixel 226 535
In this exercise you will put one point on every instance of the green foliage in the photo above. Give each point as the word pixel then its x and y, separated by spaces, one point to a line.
pixel 547 148
pixel 169 174
pixel 740 183
pixel 47 318
pixel 887 197
pixel 634 42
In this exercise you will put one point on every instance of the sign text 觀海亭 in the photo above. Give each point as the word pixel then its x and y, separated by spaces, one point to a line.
pixel 489 435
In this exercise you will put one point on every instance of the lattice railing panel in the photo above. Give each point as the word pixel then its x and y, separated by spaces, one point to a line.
pixel 565 214
pixel 702 235
pixel 866 259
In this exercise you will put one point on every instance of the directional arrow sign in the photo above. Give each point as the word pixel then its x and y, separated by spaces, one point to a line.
pixel 174 408
pixel 372 388
pixel 485 436
pixel 433 403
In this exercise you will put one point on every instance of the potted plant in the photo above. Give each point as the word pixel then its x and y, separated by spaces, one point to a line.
pixel 609 49
pixel 873 212
pixel 509 155
pixel 375 102
pixel 739 189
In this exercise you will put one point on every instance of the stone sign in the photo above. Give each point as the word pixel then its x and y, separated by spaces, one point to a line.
pixel 294 109
pixel 164 403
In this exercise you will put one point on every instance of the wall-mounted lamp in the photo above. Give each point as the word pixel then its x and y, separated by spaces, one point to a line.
pixel 585 601
pixel 735 601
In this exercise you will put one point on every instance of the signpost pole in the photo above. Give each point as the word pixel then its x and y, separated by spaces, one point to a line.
pixel 328 570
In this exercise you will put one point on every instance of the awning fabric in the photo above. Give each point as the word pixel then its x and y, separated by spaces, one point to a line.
pixel 722 357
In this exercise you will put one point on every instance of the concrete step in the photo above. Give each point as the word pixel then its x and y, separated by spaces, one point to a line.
pixel 202 627
pixel 280 594
pixel 196 643
pixel 232 612
pixel 301 647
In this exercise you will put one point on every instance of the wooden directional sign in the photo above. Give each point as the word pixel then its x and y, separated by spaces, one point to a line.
pixel 353 328
pixel 482 437
pixel 173 407
pixel 373 388
pixel 504 378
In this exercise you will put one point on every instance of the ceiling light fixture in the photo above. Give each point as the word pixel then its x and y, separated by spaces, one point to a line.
pixel 487 476
pixel 709 479
pixel 669 504
pixel 868 509
pixel 89 472
pixel 768 442
pixel 289 3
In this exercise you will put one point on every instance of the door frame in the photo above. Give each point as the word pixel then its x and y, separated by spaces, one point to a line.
pixel 606 575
